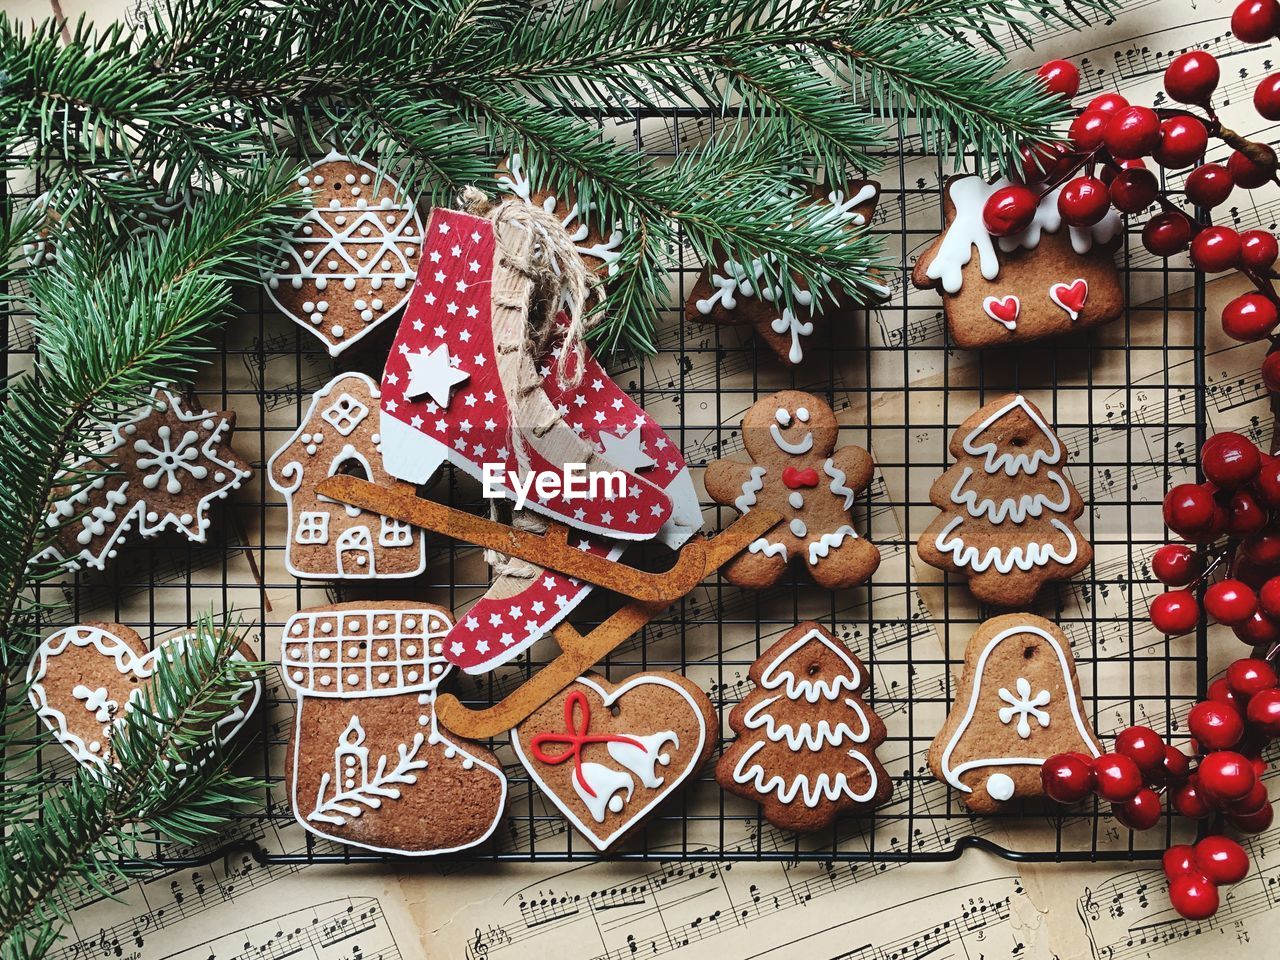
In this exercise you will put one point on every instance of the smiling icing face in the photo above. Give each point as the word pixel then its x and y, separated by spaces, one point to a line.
pixel 792 423
pixel 786 421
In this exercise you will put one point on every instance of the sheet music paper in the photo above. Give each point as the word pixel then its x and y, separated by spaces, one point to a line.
pixel 237 909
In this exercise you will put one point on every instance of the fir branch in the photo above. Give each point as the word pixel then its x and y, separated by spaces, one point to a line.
pixel 169 780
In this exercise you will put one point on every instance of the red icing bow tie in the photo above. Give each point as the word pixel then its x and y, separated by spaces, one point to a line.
pixel 575 737
pixel 794 479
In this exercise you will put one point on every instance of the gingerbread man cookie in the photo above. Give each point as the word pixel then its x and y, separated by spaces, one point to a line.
pixel 796 470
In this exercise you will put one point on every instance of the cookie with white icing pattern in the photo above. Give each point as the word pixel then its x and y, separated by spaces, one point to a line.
pixel 1017 703
pixel 353 257
pixel 1008 508
pixel 806 739
pixel 1050 279
pixel 729 292
pixel 796 469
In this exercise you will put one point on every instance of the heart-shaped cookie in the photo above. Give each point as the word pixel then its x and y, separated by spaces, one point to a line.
pixel 607 754
pixel 84 679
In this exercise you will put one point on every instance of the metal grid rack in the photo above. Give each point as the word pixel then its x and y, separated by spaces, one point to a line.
pixel 900 391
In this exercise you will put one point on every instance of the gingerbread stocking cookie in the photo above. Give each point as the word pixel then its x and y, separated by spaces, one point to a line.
pixel 1017 703
pixel 796 470
pixel 730 292
pixel 369 764
pixel 608 754
pixel 1047 280
pixel 1008 509
pixel 806 747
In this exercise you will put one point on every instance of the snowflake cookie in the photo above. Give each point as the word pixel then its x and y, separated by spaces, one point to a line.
pixel 796 470
pixel 730 292
pixel 161 469
pixel 1016 704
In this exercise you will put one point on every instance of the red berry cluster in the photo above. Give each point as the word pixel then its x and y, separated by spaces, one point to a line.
pixel 1103 165
pixel 1228 732
pixel 1129 779
pixel 1240 499
pixel 1196 872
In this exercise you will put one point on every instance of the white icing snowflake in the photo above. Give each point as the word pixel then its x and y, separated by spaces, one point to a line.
pixel 1024 706
pixel 169 458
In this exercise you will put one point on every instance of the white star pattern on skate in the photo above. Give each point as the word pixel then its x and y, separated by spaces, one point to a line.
pixel 431 373
pixel 626 451
pixel 1024 706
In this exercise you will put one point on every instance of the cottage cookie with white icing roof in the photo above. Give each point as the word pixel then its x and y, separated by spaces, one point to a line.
pixel 729 292
pixel 1050 279
pixel 1008 508
pixel 353 258
pixel 1017 703
pixel 369 764
pixel 796 470
pixel 806 740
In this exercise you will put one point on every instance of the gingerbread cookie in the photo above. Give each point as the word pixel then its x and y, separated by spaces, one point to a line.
pixel 369 765
pixel 84 680
pixel 339 434
pixel 1046 280
pixel 352 260
pixel 600 252
pixel 806 740
pixel 1008 509
pixel 1017 703
pixel 161 469
pixel 797 470
pixel 608 754
pixel 730 292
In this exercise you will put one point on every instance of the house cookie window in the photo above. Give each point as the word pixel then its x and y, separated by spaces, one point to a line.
pixel 346 413
pixel 395 533
pixel 313 527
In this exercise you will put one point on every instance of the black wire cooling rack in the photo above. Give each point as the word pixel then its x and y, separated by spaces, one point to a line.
pixel 1127 399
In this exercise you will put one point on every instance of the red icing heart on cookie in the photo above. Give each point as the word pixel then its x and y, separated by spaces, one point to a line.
pixel 1070 296
pixel 795 479
pixel 1004 310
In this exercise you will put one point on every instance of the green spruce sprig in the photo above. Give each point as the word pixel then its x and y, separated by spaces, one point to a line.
pixel 438 91
pixel 170 783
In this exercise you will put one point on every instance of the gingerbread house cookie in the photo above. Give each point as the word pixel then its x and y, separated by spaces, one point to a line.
pixel 1050 279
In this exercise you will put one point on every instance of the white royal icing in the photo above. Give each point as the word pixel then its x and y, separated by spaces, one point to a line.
pixel 1016 509
pixel 750 487
pixel 1058 289
pixel 819 549
pixel 967 233
pixel 992 305
pixel 952 774
pixel 1013 463
pixel 804 446
pixel 838 482
pixel 1023 705
pixel 108 710
pixel 768 548
pixel 1024 557
pixel 795 688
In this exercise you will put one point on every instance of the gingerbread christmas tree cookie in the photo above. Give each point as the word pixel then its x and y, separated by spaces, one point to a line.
pixel 730 292
pixel 1049 279
pixel 806 740
pixel 1008 509
pixel 797 470
pixel 1016 704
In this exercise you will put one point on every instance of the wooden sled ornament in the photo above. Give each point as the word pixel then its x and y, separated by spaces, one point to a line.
pixel 551 549
pixel 579 653
pixel 652 593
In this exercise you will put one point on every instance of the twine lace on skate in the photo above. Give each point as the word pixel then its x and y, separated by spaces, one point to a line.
pixel 545 255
